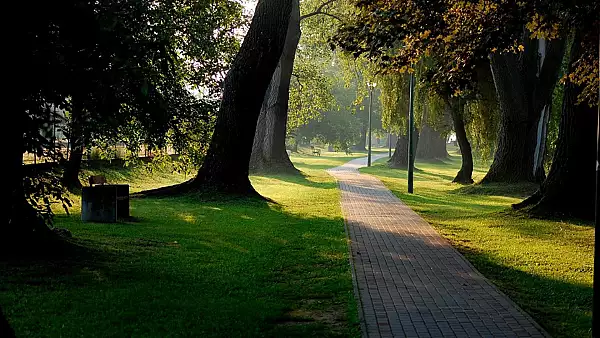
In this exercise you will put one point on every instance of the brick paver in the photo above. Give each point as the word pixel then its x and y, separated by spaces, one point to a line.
pixel 410 281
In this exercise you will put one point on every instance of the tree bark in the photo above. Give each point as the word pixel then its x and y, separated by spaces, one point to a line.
pixel 569 189
pixel 432 145
pixel 362 142
pixel 268 151
pixel 524 88
pixel 226 166
pixel 465 174
pixel 399 159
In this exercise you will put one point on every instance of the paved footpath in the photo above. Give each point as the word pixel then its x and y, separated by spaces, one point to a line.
pixel 410 281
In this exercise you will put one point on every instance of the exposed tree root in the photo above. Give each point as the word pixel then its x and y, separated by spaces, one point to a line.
pixel 203 191
pixel 462 178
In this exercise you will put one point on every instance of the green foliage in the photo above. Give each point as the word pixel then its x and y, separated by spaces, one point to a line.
pixel 310 91
pixel 394 100
pixel 122 69
pixel 315 74
pixel 202 268
pixel 42 190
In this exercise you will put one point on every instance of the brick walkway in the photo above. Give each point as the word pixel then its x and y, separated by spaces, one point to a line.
pixel 411 282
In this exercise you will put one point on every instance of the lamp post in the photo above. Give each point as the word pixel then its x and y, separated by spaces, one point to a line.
pixel 371 86
pixel 596 294
pixel 411 130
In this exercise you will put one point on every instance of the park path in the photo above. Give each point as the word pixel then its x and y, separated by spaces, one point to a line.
pixel 409 280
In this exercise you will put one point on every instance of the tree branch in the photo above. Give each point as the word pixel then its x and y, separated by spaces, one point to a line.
pixel 320 11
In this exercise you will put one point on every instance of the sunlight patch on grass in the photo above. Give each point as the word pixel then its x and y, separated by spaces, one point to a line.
pixel 216 268
pixel 545 266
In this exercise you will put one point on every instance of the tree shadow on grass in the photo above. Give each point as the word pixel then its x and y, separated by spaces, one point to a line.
pixel 214 268
pixel 561 307
pixel 516 190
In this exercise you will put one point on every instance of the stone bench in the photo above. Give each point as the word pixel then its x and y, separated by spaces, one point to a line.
pixel 104 203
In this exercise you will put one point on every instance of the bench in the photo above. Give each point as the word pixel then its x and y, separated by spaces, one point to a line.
pixel 348 152
pixel 315 151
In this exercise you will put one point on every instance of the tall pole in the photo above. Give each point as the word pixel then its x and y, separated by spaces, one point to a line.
pixel 411 128
pixel 596 296
pixel 369 137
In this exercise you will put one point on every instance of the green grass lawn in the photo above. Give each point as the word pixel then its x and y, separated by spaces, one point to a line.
pixel 544 266
pixel 228 268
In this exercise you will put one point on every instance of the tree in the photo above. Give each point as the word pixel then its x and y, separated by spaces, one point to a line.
pixel 268 150
pixel 225 168
pixel 456 106
pixel 114 62
pixel 394 101
pixel 524 91
pixel 339 126
pixel 140 73
pixel 459 37
pixel 434 125
pixel 401 37
pixel 269 153
pixel 569 190
pixel 432 144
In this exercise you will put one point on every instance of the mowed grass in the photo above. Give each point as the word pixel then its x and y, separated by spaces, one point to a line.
pixel 545 266
pixel 189 267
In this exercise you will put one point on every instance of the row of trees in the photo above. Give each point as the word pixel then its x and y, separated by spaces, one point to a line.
pixel 135 73
pixel 122 70
pixel 456 47
pixel 125 68
pixel 142 72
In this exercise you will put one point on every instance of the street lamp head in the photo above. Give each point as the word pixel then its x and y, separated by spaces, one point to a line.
pixel 372 84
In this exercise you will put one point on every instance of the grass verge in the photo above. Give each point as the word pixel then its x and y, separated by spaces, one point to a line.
pixel 545 266
pixel 221 268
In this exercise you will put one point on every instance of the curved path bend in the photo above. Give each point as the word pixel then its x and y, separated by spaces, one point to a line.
pixel 410 282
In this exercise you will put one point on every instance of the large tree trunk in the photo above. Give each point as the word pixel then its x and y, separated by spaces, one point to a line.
pixel 268 151
pixel 399 159
pixel 465 174
pixel 362 141
pixel 5 329
pixel 70 178
pixel 524 88
pixel 432 145
pixel 226 165
pixel 569 189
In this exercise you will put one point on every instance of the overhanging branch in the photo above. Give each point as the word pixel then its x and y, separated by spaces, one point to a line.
pixel 320 11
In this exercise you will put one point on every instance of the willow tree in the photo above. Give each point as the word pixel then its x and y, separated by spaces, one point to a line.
pixel 394 102
pixel 462 36
pixel 434 122
pixel 398 37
